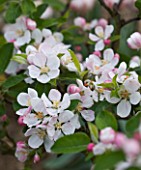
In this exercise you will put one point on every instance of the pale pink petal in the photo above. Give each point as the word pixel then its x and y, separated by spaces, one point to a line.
pixel 35 141
pixel 88 115
pixel 108 54
pixel 68 128
pixel 93 37
pixel 23 99
pixel 44 78
pixel 34 72
pixel 99 46
pixel 108 31
pixel 99 31
pixel 123 108
pixel 65 116
pixel 135 98
pixel 54 95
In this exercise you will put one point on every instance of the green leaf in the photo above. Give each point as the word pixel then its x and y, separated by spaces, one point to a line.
pixel 42 88
pixel 13 12
pixel 106 119
pixel 58 5
pixel 6 52
pixel 138 5
pixel 75 60
pixel 108 160
pixel 133 123
pixel 40 9
pixel 28 7
pixel 13 80
pixel 93 132
pixel 73 104
pixel 50 22
pixel 71 143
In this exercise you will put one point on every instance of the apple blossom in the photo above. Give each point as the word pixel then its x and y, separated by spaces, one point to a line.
pixel 134 41
pixel 18 33
pixel 107 135
pixel 102 34
pixel 135 62
pixel 111 3
pixel 44 67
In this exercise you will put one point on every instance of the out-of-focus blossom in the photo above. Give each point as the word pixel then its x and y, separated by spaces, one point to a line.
pixel 101 36
pixel 135 62
pixel 134 41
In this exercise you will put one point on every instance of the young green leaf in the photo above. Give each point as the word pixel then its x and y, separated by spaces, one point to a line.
pixel 75 60
pixel 6 52
pixel 106 119
pixel 28 7
pixel 71 144
pixel 93 132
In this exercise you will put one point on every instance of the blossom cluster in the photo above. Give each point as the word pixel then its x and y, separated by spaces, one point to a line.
pixel 62 109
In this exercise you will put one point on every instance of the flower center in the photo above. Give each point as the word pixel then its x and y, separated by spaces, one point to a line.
pixel 56 104
pixel 39 115
pixel 68 60
pixel 79 108
pixel 41 134
pixel 104 62
pixel 58 125
pixel 124 94
pixel 45 69
pixel 101 35
pixel 100 89
pixel 20 33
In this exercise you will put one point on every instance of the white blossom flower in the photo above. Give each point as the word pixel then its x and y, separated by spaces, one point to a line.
pixel 18 33
pixel 101 35
pixel 44 67
pixel 53 102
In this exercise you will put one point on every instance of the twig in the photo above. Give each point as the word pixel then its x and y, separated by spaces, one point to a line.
pixel 131 20
pixel 104 5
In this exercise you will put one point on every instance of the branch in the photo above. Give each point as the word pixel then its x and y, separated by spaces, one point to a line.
pixel 131 20
pixel 108 9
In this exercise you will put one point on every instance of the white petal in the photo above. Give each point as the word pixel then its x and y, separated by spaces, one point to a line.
pixel 99 31
pixel 93 37
pixel 99 46
pixel 46 100
pixel 37 104
pixel 50 130
pixel 32 93
pixel 75 121
pixel 135 98
pixel 23 99
pixel 21 112
pixel 53 73
pixel 53 62
pixel 44 78
pixel 68 128
pixel 48 144
pixel 108 54
pixel 88 115
pixel 35 141
pixel 34 72
pixel 108 30
pixel 54 95
pixel 65 102
pixel 131 85
pixel 37 36
pixel 123 108
pixel 65 116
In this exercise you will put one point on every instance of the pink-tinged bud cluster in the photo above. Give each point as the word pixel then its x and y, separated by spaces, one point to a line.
pixel 80 21
pixel 21 151
pixel 107 135
pixel 134 41
pixel 90 147
pixel 102 22
pixel 120 139
pixel 3 118
pixel 31 25
pixel 72 89
pixel 36 158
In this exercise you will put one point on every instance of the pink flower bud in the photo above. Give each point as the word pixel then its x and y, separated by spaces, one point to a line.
pixel 137 136
pixel 107 42
pixel 72 89
pixel 131 147
pixel 3 118
pixel 90 147
pixel 31 25
pixel 79 21
pixel 107 135
pixel 97 53
pixel 78 48
pixel 134 41
pixel 36 158
pixel 102 22
pixel 20 144
pixel 120 139
pixel 79 56
pixel 20 121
